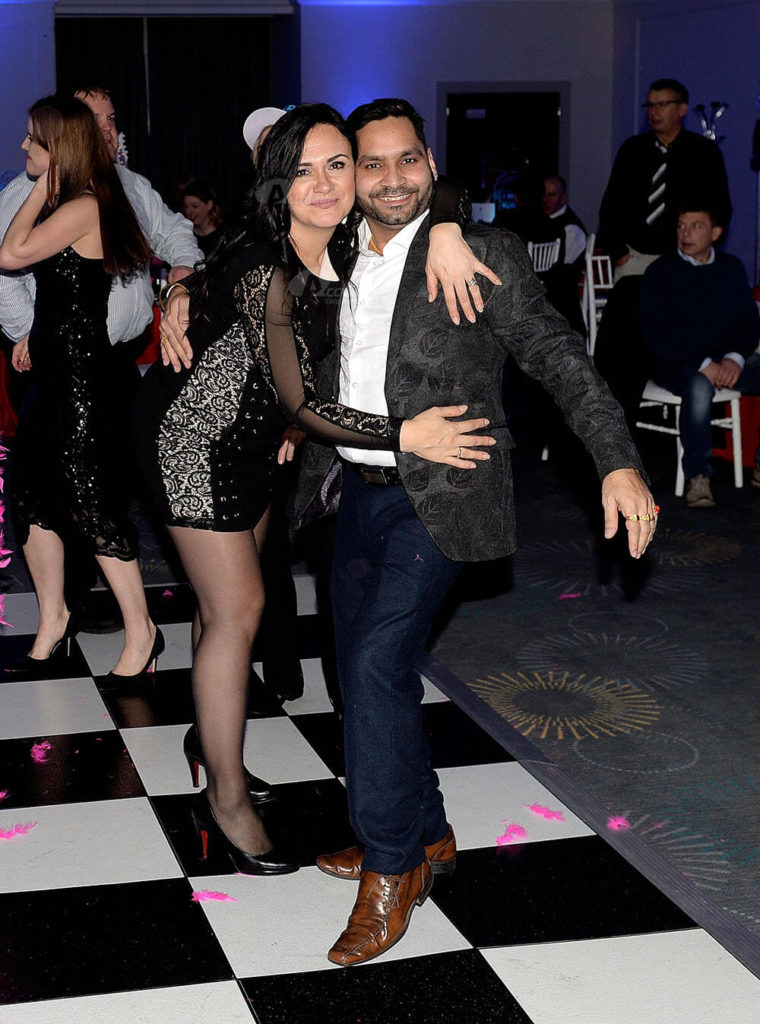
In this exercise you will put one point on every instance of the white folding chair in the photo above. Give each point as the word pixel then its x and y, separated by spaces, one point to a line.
pixel 544 254
pixel 654 396
pixel 597 284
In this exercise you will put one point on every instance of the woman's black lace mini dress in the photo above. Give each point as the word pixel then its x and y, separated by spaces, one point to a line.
pixel 208 436
pixel 70 452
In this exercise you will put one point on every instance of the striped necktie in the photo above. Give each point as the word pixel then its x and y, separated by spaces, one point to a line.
pixel 656 197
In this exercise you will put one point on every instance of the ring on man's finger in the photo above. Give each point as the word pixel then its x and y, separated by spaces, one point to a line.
pixel 471 282
pixel 459 455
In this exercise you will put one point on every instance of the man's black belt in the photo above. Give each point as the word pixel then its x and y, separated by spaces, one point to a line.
pixel 377 476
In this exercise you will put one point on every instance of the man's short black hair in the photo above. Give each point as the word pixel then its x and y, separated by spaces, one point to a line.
pixel 378 110
pixel 695 204
pixel 682 93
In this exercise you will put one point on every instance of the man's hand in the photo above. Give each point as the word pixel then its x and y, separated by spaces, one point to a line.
pixel 178 272
pixel 625 493
pixel 452 262
pixel 711 372
pixel 289 441
pixel 728 373
pixel 175 348
pixel 20 356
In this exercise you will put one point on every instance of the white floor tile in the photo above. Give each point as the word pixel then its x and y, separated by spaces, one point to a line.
pixel 307 599
pixel 276 750
pixel 95 843
pixel 102 650
pixel 668 978
pixel 481 800
pixel 315 699
pixel 311 912
pixel 23 614
pixel 432 694
pixel 219 1003
pixel 51 707
pixel 158 757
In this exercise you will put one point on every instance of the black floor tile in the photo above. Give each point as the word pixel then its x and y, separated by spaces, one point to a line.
pixel 460 988
pixel 14 648
pixel 554 891
pixel 164 698
pixel 108 938
pixel 455 740
pixel 79 767
pixel 172 603
pixel 324 732
pixel 308 818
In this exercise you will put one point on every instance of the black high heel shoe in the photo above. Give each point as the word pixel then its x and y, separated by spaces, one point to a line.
pixel 37 668
pixel 159 645
pixel 260 791
pixel 273 862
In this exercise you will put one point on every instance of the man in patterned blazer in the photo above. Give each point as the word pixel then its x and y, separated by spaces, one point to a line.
pixel 405 527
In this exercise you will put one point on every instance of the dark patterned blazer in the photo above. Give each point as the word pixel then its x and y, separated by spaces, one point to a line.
pixel 470 513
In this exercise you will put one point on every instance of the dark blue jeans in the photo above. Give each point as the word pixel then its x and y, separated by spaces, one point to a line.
pixel 388 580
pixel 696 393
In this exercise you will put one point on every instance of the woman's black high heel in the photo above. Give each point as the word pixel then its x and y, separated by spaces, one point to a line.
pixel 273 862
pixel 260 791
pixel 36 668
pixel 159 645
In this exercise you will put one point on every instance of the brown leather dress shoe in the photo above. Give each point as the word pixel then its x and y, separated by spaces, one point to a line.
pixel 348 863
pixel 381 914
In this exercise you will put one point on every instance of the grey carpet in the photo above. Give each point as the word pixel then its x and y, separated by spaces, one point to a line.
pixel 630 689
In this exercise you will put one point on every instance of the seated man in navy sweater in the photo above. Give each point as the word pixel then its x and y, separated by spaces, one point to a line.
pixel 701 327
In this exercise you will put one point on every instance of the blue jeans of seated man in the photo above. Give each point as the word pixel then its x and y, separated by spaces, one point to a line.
pixel 388 580
pixel 697 393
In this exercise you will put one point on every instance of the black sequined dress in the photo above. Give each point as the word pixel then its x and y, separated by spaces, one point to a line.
pixel 207 437
pixel 70 449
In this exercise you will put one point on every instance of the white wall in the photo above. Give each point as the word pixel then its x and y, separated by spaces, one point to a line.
pixel 27 70
pixel 354 52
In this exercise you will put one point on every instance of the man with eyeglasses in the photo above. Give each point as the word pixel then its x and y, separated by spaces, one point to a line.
pixel 653 174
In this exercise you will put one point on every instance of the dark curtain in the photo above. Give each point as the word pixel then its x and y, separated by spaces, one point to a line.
pixel 182 88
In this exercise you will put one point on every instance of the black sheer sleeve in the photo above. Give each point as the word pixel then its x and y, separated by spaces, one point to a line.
pixel 451 203
pixel 293 378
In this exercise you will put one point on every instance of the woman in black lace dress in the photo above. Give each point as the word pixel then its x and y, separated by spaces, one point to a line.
pixel 209 434
pixel 77 230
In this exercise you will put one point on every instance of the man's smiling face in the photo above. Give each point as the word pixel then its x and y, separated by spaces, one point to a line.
pixel 395 175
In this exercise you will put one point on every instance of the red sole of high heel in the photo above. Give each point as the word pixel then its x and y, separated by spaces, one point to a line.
pixel 204 843
pixel 195 772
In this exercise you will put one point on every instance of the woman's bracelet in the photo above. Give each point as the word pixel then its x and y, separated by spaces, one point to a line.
pixel 165 294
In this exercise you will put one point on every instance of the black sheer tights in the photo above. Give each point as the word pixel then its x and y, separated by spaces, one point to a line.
pixel 224 571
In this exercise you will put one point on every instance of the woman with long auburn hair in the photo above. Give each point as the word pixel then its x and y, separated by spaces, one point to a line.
pixel 77 231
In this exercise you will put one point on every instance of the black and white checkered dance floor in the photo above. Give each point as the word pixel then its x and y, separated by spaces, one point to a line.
pixel 99 866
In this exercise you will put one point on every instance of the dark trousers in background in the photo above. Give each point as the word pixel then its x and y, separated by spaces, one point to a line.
pixel 388 581
pixel 620 355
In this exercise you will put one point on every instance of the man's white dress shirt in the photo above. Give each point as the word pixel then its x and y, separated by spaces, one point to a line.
pixel 366 313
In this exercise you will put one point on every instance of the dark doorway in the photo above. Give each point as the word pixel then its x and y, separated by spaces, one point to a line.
pixel 492 137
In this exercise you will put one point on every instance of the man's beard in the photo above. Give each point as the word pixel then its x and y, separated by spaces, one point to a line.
pixel 373 207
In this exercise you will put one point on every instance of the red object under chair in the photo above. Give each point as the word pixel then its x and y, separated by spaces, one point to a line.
pixel 750 413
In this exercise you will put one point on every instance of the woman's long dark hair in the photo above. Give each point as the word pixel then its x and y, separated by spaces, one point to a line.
pixel 80 163
pixel 266 214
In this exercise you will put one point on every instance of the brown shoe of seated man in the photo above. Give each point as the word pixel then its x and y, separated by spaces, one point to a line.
pixel 348 863
pixel 381 914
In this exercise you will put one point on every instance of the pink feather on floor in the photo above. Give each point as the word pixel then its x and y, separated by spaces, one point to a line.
pixel 544 812
pixel 618 824
pixel 512 834
pixel 206 895
pixel 17 830
pixel 40 752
